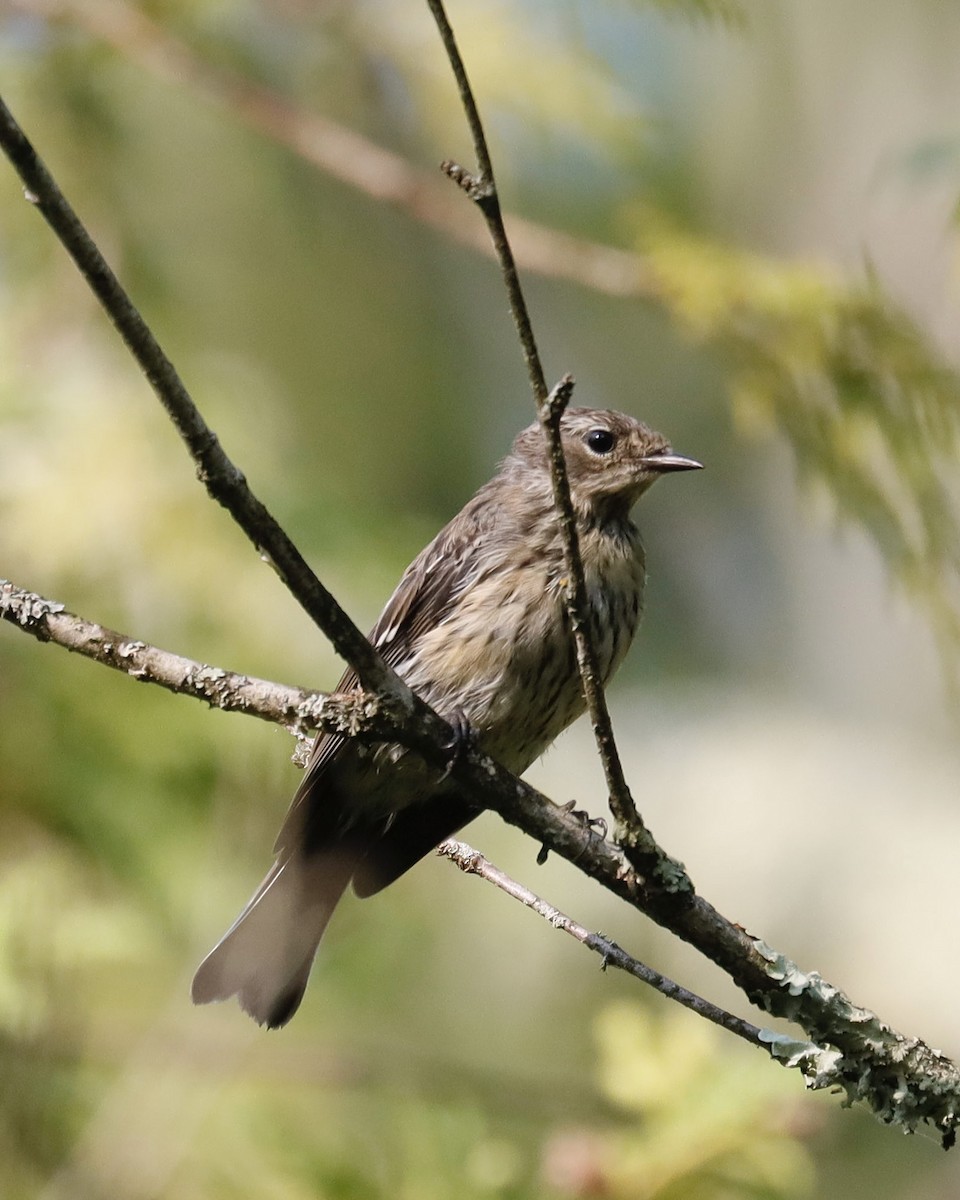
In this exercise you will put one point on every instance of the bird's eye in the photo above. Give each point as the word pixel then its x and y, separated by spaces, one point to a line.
pixel 600 441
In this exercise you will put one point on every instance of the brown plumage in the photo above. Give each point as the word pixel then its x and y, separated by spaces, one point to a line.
pixel 478 627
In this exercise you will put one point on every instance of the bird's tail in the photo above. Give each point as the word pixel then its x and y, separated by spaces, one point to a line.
pixel 264 958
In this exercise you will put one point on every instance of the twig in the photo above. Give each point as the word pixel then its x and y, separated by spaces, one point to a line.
pixel 630 832
pixel 348 156
pixel 474 863
pixel 356 714
pixel 903 1080
pixel 482 189
pixel 822 1066
pixel 223 481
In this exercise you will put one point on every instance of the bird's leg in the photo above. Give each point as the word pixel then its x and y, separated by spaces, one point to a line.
pixel 589 823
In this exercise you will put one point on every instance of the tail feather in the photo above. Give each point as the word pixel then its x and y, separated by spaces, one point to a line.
pixel 264 958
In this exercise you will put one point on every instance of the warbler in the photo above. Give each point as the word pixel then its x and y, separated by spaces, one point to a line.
pixel 478 627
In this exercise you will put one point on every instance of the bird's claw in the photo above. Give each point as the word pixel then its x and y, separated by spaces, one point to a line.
pixel 463 739
pixel 588 822
pixel 595 825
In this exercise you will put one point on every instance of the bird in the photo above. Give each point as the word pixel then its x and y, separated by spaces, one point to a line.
pixel 478 627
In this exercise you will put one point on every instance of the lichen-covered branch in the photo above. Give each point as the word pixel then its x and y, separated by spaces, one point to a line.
pixel 901 1078
pixel 355 714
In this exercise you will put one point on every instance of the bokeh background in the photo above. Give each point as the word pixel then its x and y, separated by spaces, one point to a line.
pixel 782 179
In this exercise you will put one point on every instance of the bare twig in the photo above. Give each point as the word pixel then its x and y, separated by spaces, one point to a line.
pixel 482 189
pixel 639 845
pixel 474 863
pixel 631 833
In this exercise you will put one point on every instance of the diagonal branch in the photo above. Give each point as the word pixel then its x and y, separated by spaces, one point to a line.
pixel 223 480
pixel 900 1078
pixel 355 714
pixel 482 190
pixel 631 833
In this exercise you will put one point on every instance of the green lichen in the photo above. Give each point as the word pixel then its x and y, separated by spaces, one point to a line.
pixel 904 1081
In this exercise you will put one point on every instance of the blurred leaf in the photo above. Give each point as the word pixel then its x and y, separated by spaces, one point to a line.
pixel 54 926
pixel 706 1121
pixel 730 12
pixel 868 406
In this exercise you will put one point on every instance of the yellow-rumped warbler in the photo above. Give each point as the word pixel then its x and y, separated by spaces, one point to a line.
pixel 478 627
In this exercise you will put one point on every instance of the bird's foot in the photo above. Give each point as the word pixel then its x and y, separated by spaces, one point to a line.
pixel 464 738
pixel 592 824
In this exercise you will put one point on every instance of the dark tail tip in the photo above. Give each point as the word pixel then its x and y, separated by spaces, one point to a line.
pixel 282 1010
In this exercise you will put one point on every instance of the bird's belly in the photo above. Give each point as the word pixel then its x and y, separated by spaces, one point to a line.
pixel 505 659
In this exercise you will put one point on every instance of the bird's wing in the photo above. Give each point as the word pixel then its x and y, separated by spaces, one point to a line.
pixel 422 599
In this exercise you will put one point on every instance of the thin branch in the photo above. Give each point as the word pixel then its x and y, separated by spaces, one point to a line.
pixel 639 844
pixel 355 714
pixel 223 480
pixel 631 833
pixel 482 189
pixel 348 156
pixel 474 863
pixel 821 1065
pixel 467 99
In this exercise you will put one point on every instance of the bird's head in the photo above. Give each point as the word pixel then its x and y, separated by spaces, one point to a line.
pixel 611 459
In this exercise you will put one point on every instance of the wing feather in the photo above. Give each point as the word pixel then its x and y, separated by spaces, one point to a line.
pixel 422 600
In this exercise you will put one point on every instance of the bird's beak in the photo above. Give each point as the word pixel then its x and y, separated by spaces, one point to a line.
pixel 670 462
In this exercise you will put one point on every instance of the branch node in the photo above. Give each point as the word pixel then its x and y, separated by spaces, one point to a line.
pixel 556 403
pixel 480 188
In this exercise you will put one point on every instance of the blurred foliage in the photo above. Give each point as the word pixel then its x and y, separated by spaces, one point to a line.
pixel 710 1123
pixel 871 410
pixel 365 376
